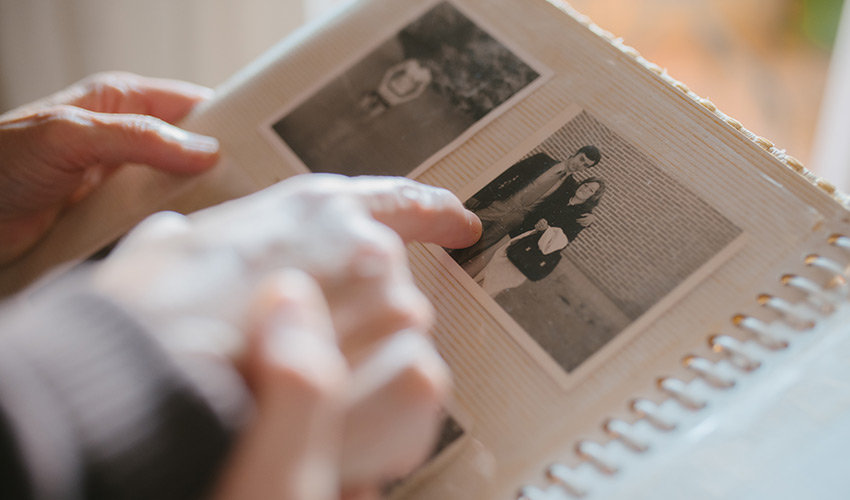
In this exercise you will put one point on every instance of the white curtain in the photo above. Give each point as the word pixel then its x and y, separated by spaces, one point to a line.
pixel 47 44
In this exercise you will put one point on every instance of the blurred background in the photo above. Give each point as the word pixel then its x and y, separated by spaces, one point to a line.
pixel 765 62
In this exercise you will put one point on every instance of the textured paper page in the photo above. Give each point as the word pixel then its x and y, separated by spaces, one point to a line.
pixel 520 411
pixel 774 429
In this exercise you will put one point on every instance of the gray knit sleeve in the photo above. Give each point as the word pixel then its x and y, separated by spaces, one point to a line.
pixel 92 407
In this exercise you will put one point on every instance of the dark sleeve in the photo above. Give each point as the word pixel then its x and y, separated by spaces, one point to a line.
pixel 92 407
pixel 572 229
pixel 556 211
pixel 525 254
pixel 568 221
pixel 514 178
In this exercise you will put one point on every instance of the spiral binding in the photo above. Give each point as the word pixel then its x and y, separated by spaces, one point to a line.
pixel 738 357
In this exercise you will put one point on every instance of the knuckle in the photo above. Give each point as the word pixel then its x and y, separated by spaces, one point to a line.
pixel 57 125
pixel 316 185
pixel 385 247
pixel 425 380
pixel 426 201
pixel 376 251
pixel 164 225
pixel 309 383
pixel 56 115
pixel 408 309
pixel 109 81
pixel 393 195
pixel 113 90
pixel 146 128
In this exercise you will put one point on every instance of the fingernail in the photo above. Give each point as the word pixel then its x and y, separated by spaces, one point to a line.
pixel 189 140
pixel 202 143
pixel 474 222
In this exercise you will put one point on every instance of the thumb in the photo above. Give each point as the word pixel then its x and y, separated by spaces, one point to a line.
pixel 80 138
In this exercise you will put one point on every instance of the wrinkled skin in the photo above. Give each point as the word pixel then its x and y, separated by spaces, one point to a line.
pixel 352 353
pixel 56 150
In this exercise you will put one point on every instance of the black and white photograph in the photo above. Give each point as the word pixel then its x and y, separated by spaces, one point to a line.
pixel 583 236
pixel 409 101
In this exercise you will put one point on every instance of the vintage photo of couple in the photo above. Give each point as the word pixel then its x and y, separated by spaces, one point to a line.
pixel 584 238
pixel 530 213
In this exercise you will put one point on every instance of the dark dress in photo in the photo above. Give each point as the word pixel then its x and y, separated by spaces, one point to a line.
pixel 526 256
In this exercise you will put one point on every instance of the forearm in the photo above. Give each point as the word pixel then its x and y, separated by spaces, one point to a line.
pixel 93 407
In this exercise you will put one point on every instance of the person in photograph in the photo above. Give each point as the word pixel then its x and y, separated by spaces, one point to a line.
pixel 470 69
pixel 407 102
pixel 534 248
pixel 401 83
pixel 506 201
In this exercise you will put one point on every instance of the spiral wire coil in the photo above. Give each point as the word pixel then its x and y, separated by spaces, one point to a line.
pixel 793 319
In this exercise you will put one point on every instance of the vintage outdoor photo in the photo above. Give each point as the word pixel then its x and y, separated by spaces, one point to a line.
pixel 584 235
pixel 409 101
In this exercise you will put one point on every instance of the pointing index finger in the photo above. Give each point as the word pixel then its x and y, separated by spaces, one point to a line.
pixel 418 212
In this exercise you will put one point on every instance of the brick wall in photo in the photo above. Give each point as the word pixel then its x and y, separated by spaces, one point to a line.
pixel 651 232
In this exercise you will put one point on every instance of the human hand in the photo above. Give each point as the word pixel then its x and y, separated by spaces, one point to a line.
pixel 56 150
pixel 196 273
pixel 191 276
pixel 541 225
pixel 306 439
pixel 586 219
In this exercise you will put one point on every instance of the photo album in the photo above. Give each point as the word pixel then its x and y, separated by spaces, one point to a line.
pixel 655 307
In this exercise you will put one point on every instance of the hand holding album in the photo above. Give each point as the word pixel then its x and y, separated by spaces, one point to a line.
pixel 692 269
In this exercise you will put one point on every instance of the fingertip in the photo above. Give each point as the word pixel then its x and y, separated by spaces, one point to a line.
pixel 201 143
pixel 197 152
pixel 127 138
pixel 419 212
pixel 475 229
pixel 201 154
pixel 461 234
pixel 461 227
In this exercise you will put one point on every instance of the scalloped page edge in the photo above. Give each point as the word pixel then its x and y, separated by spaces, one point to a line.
pixel 780 154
